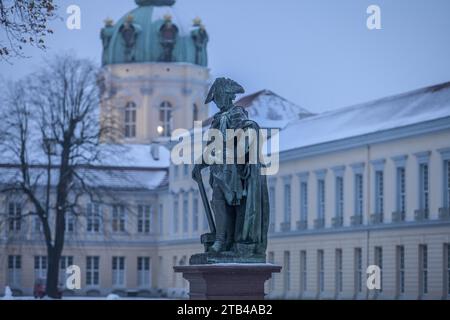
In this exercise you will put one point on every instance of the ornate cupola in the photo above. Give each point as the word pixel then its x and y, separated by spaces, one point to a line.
pixel 155 74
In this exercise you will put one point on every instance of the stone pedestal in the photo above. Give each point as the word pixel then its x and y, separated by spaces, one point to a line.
pixel 228 281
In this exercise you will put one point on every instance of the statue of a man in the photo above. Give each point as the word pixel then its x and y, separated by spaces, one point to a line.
pixel 106 35
pixel 200 38
pixel 168 34
pixel 240 197
pixel 129 32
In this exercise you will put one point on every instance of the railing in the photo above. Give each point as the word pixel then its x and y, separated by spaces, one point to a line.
pixel 376 218
pixel 398 216
pixel 272 227
pixel 285 226
pixel 421 214
pixel 337 222
pixel 319 223
pixel 356 220
pixel 302 225
pixel 444 213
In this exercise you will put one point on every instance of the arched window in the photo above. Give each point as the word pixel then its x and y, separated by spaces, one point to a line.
pixel 165 117
pixel 196 112
pixel 130 120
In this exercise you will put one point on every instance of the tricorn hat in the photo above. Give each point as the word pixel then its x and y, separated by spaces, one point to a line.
pixel 223 85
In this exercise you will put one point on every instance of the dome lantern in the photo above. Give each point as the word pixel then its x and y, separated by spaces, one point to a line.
pixel 155 3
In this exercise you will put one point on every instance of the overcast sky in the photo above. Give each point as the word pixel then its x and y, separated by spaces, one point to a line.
pixel 316 53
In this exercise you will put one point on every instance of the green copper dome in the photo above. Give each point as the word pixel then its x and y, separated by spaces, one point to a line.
pixel 153 33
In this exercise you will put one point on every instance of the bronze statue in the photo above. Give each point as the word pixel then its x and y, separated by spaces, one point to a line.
pixel 106 35
pixel 240 197
pixel 168 34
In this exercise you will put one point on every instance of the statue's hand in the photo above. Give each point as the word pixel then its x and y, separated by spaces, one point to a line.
pixel 197 172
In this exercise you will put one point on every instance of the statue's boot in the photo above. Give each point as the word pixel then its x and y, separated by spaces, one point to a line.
pixel 220 215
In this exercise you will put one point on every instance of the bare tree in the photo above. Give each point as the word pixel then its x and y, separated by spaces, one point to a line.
pixel 24 22
pixel 51 134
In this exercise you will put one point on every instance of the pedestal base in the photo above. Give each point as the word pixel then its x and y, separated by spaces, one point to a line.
pixel 227 281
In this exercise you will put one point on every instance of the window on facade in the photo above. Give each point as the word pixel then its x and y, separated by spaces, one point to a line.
pixel 69 222
pixel 15 216
pixel 447 267
pixel 287 203
pixel 339 197
pixel 130 120
pixel 195 213
pixel 175 216
pixel 143 268
pixel 320 271
pixel 144 218
pixel 287 271
pixel 40 267
pixel 92 270
pixel 358 270
pixel 359 195
pixel 118 271
pixel 400 270
pixel 160 219
pixel 93 217
pixel 447 184
pixel 304 201
pixel 14 270
pixel 271 259
pixel 65 262
pixel 401 192
pixel 379 194
pixel 379 263
pixel 272 205
pixel 37 225
pixel 338 271
pixel 303 271
pixel 321 199
pixel 165 117
pixel 185 213
pixel 118 218
pixel 186 170
pixel 424 189
pixel 196 112
pixel 423 269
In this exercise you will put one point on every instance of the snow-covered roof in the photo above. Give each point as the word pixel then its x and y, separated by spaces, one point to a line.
pixel 426 104
pixel 270 110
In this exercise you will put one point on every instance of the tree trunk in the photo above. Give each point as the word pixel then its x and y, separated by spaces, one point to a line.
pixel 54 258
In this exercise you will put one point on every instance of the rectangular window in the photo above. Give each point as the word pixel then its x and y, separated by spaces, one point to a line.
pixel 320 271
pixel 118 218
pixel 379 194
pixel 93 217
pixel 423 269
pixel 195 213
pixel 287 271
pixel 447 267
pixel 359 195
pixel 160 219
pixel 92 271
pixel 186 170
pixel 144 218
pixel 272 205
pixel 69 222
pixel 271 260
pixel 287 203
pixel 379 263
pixel 15 216
pixel 400 270
pixel 338 271
pixel 175 216
pixel 130 120
pixel 40 267
pixel 143 266
pixel 14 270
pixel 424 189
pixel 37 225
pixel 321 199
pixel 304 201
pixel 339 197
pixel 303 271
pixel 358 270
pixel 118 271
pixel 65 262
pixel 185 213
pixel 401 192
pixel 447 184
